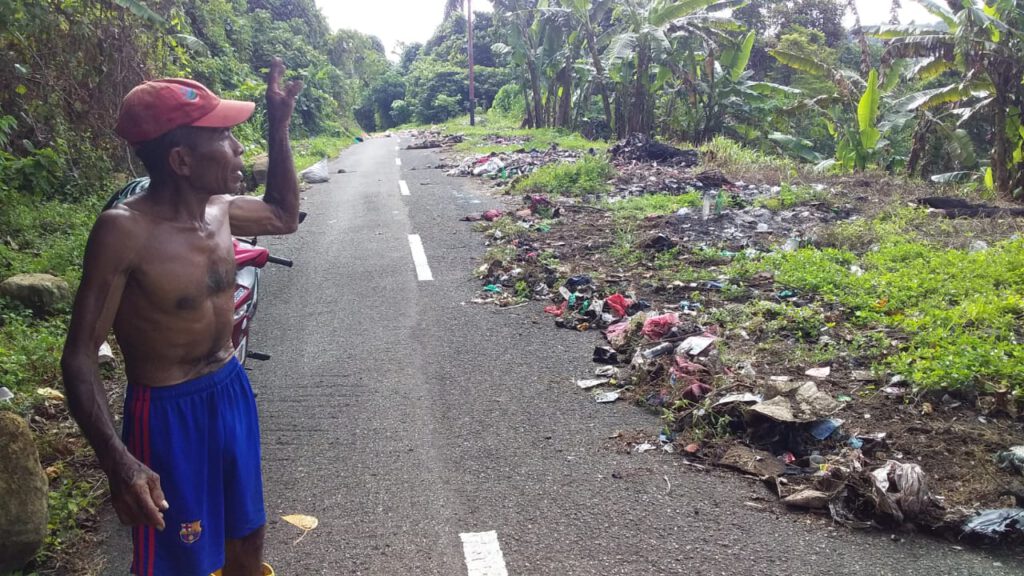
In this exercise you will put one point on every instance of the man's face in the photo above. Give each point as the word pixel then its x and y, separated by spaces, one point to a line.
pixel 215 161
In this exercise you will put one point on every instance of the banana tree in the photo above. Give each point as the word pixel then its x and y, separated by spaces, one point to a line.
pixel 518 19
pixel 852 113
pixel 587 12
pixel 984 44
pixel 640 57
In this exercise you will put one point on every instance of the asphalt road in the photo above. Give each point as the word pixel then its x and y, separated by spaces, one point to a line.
pixel 404 417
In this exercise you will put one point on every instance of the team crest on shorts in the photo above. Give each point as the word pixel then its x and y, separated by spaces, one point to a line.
pixel 191 531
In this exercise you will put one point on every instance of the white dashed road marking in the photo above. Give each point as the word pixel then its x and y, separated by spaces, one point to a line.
pixel 419 257
pixel 483 554
pixel 403 187
pixel 398 161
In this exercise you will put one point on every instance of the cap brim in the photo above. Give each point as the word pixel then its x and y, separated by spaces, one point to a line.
pixel 227 114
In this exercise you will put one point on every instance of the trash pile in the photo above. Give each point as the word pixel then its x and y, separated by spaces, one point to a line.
pixel 506 165
pixel 790 431
pixel 523 274
pixel 750 227
pixel 638 148
pixel 433 139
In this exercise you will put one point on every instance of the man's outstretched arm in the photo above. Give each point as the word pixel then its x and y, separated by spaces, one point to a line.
pixel 278 211
pixel 135 489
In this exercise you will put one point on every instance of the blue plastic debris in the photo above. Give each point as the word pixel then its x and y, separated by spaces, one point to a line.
pixel 822 429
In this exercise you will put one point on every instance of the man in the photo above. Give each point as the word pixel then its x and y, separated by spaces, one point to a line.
pixel 160 270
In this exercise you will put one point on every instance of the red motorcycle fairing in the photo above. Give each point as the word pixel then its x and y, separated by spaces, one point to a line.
pixel 250 255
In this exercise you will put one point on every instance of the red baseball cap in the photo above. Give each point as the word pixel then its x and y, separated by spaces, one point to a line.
pixel 156 107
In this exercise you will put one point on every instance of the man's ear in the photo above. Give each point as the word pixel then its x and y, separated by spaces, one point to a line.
pixel 179 160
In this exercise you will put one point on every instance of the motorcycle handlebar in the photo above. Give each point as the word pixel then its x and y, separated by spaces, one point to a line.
pixel 280 261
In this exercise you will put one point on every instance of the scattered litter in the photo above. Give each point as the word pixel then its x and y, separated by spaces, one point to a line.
pixel 695 345
pixel 756 462
pixel 901 490
pixel 50 394
pixel 605 355
pixel 822 429
pixel 1012 460
pixel 587 384
pixel 316 174
pixel 606 371
pixel 744 398
pixel 809 499
pixel 303 522
pixel 5 394
pixel 795 402
pixel 823 372
pixel 997 524
pixel 106 354
pixel 862 375
pixel 657 327
pixel 606 397
pixel 645 447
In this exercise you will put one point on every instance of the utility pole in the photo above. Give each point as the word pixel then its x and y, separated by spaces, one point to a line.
pixel 472 87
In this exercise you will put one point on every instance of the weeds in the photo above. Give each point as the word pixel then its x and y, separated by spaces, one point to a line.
pixel 639 207
pixel 736 160
pixel 588 175
pixel 961 311
pixel 790 196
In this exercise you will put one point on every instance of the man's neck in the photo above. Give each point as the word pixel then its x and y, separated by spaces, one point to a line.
pixel 178 202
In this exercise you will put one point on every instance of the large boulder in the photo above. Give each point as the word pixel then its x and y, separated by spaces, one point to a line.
pixel 260 165
pixel 43 293
pixel 23 494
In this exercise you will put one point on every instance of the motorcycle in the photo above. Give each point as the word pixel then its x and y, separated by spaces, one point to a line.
pixel 249 262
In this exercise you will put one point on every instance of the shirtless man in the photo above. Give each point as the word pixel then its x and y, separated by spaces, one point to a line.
pixel 159 269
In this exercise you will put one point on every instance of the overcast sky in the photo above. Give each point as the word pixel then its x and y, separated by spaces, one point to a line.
pixel 409 21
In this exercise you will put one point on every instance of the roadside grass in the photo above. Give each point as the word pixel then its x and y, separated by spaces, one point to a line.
pixel 640 207
pixel 307 152
pixel 49 237
pixel 960 311
pixel 791 196
pixel 751 166
pixel 588 175
pixel 540 138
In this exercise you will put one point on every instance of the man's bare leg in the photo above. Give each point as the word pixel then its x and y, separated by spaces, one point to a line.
pixel 244 557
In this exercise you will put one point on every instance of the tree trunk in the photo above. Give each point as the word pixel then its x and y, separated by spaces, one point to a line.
pixel 528 121
pixel 599 68
pixel 919 144
pixel 564 116
pixel 1000 147
pixel 538 99
pixel 638 113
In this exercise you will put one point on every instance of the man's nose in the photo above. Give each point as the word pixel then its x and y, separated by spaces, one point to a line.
pixel 237 146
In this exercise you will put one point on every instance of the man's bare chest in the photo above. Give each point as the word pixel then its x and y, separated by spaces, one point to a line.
pixel 182 271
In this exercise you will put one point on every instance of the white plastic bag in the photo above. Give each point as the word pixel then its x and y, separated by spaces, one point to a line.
pixel 316 174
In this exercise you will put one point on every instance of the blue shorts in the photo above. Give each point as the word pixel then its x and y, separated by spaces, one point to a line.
pixel 203 438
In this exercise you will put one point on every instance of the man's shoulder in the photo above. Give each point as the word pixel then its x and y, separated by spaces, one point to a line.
pixel 119 226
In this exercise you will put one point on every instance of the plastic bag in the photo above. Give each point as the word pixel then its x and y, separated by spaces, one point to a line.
pixel 316 174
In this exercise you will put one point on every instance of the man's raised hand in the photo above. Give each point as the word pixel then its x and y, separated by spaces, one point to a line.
pixel 280 98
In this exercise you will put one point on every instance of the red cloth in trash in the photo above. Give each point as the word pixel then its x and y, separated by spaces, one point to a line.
pixel 655 328
pixel 696 391
pixel 557 310
pixel 492 215
pixel 618 305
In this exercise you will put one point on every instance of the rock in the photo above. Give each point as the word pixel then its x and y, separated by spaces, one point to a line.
pixel 260 165
pixel 43 293
pixel 23 494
